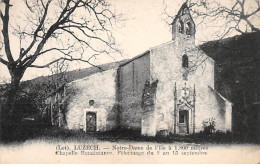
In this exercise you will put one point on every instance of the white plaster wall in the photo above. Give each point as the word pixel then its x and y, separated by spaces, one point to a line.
pixel 148 124
pixel 210 105
pixel 228 116
pixel 166 66
pixel 164 69
pixel 100 87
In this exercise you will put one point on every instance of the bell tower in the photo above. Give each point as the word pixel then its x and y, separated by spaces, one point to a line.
pixel 183 26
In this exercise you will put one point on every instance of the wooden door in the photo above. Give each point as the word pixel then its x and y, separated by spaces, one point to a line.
pixel 184 122
pixel 91 122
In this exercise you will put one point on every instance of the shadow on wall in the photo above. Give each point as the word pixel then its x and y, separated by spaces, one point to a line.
pixel 113 120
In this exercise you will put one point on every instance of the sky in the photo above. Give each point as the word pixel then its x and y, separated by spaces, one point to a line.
pixel 143 28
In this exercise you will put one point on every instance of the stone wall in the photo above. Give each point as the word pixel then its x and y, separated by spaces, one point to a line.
pixel 100 87
pixel 148 103
pixel 166 66
pixel 132 77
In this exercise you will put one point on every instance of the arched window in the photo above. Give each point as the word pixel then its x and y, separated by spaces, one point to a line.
pixel 180 27
pixel 188 28
pixel 185 61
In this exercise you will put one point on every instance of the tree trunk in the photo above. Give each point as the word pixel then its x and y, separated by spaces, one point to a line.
pixel 7 114
pixel 8 110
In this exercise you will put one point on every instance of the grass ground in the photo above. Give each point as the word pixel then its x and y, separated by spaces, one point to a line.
pixel 51 133
pixel 55 133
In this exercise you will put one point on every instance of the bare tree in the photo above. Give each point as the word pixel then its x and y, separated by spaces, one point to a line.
pixel 68 30
pixel 228 17
pixel 241 16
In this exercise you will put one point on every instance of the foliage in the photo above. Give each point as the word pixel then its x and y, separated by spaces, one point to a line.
pixel 209 126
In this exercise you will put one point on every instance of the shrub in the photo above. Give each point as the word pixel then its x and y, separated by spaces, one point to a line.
pixel 209 126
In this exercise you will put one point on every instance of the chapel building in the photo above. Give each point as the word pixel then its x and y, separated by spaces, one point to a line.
pixel 167 89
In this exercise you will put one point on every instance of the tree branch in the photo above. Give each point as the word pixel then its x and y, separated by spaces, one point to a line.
pixel 37 30
pixel 3 61
pixel 5 31
pixel 66 59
